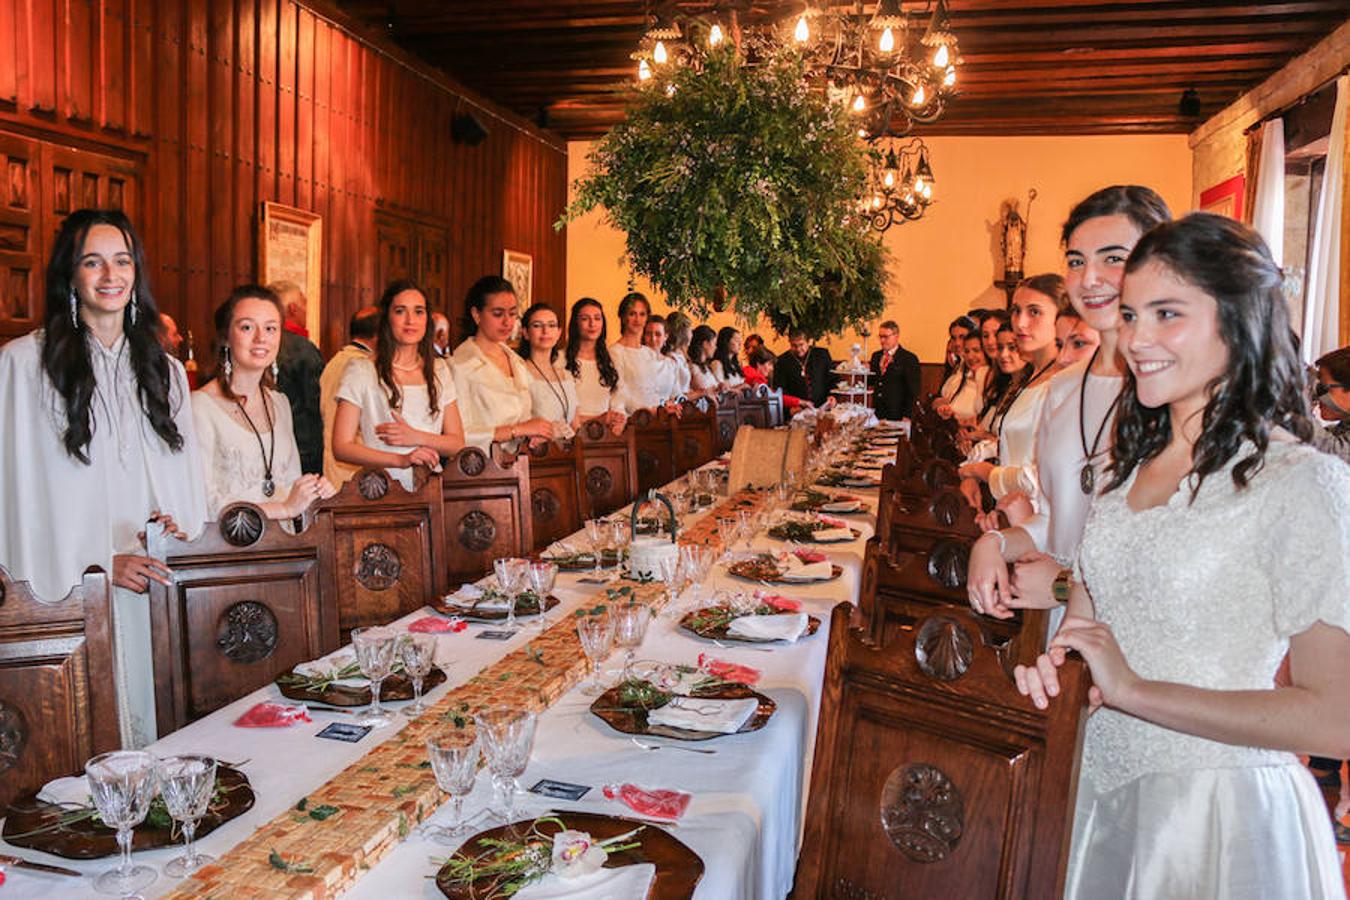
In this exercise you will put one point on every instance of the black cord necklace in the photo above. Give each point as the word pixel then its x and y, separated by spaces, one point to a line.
pixel 1017 393
pixel 1087 476
pixel 269 487
pixel 559 394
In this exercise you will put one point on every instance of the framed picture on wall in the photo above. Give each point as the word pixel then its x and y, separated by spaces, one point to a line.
pixel 290 248
pixel 518 268
pixel 1225 198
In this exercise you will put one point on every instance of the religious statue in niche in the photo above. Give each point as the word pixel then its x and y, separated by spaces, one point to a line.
pixel 1013 242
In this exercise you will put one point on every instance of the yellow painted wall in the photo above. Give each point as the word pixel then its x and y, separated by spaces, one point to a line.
pixel 946 262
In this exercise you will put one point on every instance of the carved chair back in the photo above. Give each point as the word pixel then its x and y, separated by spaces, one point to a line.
pixel 752 406
pixel 58 704
pixel 607 469
pixel 487 512
pixel 555 490
pixel 652 435
pixel 728 413
pixel 387 545
pixel 694 435
pixel 246 604
pixel 932 776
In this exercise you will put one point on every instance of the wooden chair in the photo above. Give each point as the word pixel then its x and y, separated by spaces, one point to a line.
pixel 607 469
pixel 58 703
pixel 752 406
pixel 694 435
pixel 728 409
pixel 652 434
pixel 555 490
pixel 387 545
pixel 487 512
pixel 932 776
pixel 246 604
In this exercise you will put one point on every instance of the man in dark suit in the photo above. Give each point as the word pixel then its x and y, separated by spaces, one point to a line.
pixel 895 375
pixel 299 366
pixel 805 371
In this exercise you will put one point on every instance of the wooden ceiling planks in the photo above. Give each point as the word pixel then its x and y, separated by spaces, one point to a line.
pixel 1037 67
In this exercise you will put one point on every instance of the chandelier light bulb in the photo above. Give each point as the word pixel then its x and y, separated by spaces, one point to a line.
pixel 644 70
pixel 862 133
pixel 659 55
pixel 920 97
pixel 860 104
pixel 941 57
pixel 950 78
pixel 887 42
pixel 889 180
pixel 877 202
pixel 715 35
pixel 802 33
pixel 670 89
pixel 927 192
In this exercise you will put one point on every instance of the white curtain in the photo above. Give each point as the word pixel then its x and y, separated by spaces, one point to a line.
pixel 1321 308
pixel 1268 200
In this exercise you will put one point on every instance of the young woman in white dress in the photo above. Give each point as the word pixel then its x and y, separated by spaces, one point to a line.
pixel 1079 412
pixel 491 380
pixel 639 367
pixel 674 376
pixel 676 349
pixel 1075 337
pixel 1035 304
pixel 1220 542
pixel 244 430
pixel 961 395
pixel 98 441
pixel 588 361
pixel 553 391
pixel 726 359
pixel 702 379
pixel 402 402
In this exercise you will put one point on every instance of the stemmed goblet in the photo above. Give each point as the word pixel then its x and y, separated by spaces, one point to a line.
pixel 596 631
pixel 542 575
pixel 597 532
pixel 622 537
pixel 630 627
pixel 188 783
pixel 376 649
pixel 508 736
pixel 510 573
pixel 454 761
pixel 418 654
pixel 122 784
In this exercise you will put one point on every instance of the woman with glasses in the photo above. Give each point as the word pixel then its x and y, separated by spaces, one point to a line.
pixel 1331 394
pixel 553 391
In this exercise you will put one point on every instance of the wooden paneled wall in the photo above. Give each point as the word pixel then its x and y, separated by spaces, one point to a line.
pixel 218 105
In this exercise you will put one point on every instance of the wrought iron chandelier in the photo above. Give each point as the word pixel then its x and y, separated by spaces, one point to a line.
pixel 892 68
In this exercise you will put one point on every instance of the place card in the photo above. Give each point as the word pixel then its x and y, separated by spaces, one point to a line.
pixel 495 635
pixel 560 790
pixel 345 731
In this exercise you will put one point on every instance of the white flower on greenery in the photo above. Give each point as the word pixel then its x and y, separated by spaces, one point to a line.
pixel 575 854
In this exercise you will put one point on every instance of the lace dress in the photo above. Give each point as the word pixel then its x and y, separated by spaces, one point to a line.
pixel 1208 594
pixel 233 463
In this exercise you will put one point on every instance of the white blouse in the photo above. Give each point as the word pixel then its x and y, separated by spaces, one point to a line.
pixel 679 367
pixel 361 387
pixel 487 398
pixel 231 458
pixel 553 400
pixel 593 397
pixel 966 398
pixel 643 383
pixel 701 379
pixel 723 377
pixel 1016 470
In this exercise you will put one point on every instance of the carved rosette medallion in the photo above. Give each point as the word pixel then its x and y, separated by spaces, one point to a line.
pixel 372 484
pixel 943 649
pixel 947 508
pixel 545 504
pixel 847 890
pixel 938 473
pixel 598 481
pixel 642 418
pixel 647 462
pixel 241 525
pixel 947 564
pixel 472 461
pixel 379 567
pixel 595 429
pixel 247 632
pixel 727 431
pixel 922 812
pixel 477 531
pixel 13 736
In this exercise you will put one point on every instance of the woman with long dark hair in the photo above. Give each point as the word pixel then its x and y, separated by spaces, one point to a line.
pixel 702 344
pixel 641 381
pixel 244 429
pixel 726 361
pixel 98 440
pixel 553 390
pixel 1220 542
pixel 398 410
pixel 589 362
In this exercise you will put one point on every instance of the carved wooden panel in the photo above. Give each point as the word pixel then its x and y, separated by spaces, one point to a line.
pixel 487 512
pixel 407 247
pixel 555 501
pixel 22 236
pixel 727 417
pixel 929 788
pixel 387 547
pixel 608 465
pixel 655 451
pixel 58 705
pixel 695 437
pixel 235 616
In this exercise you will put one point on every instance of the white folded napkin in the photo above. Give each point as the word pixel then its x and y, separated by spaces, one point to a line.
pixel 71 789
pixel 466 594
pixel 817 571
pixel 831 535
pixel 782 627
pixel 338 659
pixel 701 714
pixel 841 506
pixel 561 548
pixel 622 883
pixel 471 596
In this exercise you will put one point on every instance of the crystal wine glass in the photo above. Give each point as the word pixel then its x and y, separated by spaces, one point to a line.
pixel 510 573
pixel 454 761
pixel 122 784
pixel 670 570
pixel 596 631
pixel 726 530
pixel 418 653
pixel 622 537
pixel 375 649
pixel 630 627
pixel 747 524
pixel 597 532
pixel 507 734
pixel 188 783
pixel 542 575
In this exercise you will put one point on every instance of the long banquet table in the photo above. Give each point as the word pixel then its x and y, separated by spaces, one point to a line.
pixel 749 798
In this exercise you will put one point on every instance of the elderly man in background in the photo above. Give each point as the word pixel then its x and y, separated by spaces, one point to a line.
pixel 896 374
pixel 299 365
pixel 170 338
pixel 361 345
pixel 440 334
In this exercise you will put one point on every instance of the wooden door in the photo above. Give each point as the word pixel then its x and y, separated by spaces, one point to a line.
pixel 395 255
pixel 22 255
pixel 416 249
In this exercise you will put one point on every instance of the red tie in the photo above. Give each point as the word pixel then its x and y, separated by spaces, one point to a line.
pixel 885 361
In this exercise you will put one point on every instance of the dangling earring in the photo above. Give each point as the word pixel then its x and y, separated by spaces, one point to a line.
pixel 228 367
pixel 74 309
pixel 132 308
pixel 276 370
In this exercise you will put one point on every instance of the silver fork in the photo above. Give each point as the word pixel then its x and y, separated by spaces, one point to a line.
pixel 672 747
pixel 742 647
